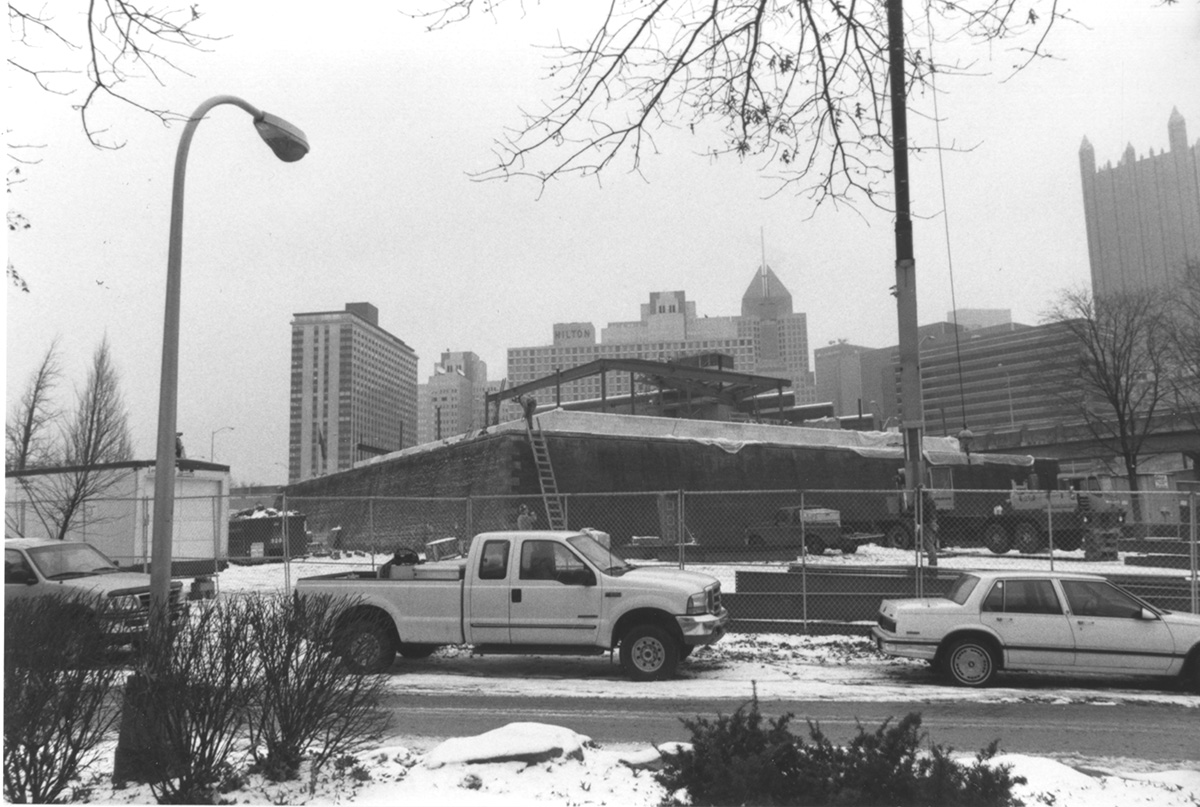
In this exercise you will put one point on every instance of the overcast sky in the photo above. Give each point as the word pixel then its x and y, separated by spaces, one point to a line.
pixel 383 209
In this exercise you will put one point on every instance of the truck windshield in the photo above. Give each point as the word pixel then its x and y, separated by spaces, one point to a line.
pixel 961 588
pixel 606 560
pixel 70 560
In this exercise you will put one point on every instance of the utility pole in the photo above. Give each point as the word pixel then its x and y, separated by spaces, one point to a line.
pixel 912 416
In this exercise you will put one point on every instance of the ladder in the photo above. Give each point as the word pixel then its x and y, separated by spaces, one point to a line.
pixel 555 517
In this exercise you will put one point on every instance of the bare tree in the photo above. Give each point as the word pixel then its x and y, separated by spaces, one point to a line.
pixel 1185 342
pixel 97 49
pixel 802 85
pixel 96 434
pixel 27 441
pixel 1120 378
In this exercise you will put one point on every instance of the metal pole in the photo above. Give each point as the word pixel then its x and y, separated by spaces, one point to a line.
pixel 803 568
pixel 1195 561
pixel 911 410
pixel 1050 528
pixel 164 467
pixel 287 566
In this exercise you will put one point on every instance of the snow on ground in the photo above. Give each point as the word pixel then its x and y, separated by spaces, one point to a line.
pixel 556 766
pixel 527 763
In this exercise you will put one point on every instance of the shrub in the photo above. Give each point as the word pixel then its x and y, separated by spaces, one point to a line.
pixel 307 705
pixel 57 708
pixel 188 702
pixel 736 759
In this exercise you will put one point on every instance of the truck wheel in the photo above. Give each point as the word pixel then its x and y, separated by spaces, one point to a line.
pixel 754 541
pixel 814 546
pixel 849 547
pixel 996 538
pixel 366 647
pixel 1070 540
pixel 970 663
pixel 416 651
pixel 648 653
pixel 897 536
pixel 1028 538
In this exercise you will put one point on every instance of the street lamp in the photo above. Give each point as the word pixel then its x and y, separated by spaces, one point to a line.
pixel 212 438
pixel 289 145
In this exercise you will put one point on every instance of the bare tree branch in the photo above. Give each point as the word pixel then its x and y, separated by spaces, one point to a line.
pixel 801 85
pixel 96 52
pixel 96 434
pixel 1119 379
pixel 26 441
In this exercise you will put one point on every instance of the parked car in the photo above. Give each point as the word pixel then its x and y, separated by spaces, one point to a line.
pixel 1054 621
pixel 526 592
pixel 119 600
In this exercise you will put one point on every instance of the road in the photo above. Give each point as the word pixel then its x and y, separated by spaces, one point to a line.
pixel 1145 731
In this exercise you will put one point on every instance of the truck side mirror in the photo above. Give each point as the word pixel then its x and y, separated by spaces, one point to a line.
pixel 577 577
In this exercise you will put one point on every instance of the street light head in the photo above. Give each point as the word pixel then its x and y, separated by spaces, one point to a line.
pixel 286 140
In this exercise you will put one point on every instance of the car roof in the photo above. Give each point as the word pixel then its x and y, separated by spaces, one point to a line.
pixel 1029 574
pixel 31 543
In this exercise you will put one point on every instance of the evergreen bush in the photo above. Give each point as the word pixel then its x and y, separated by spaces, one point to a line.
pixel 740 759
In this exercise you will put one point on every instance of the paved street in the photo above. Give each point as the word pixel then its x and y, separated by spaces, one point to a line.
pixel 1159 732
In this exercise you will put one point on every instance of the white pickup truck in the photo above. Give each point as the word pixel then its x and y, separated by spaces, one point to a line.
pixel 118 601
pixel 527 592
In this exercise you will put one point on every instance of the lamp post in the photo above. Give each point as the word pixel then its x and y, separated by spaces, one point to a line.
pixel 212 440
pixel 289 145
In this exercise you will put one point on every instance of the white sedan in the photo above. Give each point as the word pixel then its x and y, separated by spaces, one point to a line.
pixel 1053 621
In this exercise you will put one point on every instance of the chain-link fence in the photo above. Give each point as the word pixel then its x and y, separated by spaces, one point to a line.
pixel 789 561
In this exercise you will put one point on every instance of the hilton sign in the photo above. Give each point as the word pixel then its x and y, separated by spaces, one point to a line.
pixel 574 333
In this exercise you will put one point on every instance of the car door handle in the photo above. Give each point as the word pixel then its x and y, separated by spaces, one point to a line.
pixel 516 595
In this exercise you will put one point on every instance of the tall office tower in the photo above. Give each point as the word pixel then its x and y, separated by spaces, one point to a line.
pixel 1143 215
pixel 452 400
pixel 780 336
pixel 838 372
pixel 354 391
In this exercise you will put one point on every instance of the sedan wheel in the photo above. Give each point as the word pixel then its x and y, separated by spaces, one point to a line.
pixel 970 663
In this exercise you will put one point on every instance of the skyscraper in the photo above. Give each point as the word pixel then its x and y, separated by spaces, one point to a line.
pixel 452 400
pixel 354 391
pixel 1143 215
pixel 768 338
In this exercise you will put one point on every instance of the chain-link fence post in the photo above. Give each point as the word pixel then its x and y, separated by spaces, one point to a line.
pixel 1195 561
pixel 287 564
pixel 679 529
pixel 803 568
pixel 469 517
pixel 1050 527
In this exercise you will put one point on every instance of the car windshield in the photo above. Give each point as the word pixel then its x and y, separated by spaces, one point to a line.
pixel 70 560
pixel 961 588
pixel 605 559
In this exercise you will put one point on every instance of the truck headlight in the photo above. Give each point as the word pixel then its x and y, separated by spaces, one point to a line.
pixel 697 603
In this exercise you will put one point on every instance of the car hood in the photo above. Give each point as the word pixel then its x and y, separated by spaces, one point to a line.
pixel 1183 620
pixel 680 580
pixel 131 582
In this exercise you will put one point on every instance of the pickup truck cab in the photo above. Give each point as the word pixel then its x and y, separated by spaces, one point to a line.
pixel 118 600
pixel 527 592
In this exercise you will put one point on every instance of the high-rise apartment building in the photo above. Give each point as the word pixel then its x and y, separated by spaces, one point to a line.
pixel 452 400
pixel 768 338
pixel 1143 215
pixel 354 391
